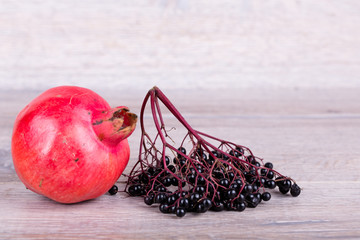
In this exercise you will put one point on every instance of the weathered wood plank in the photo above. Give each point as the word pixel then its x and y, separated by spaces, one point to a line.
pixel 321 211
pixel 179 44
pixel 279 77
pixel 319 150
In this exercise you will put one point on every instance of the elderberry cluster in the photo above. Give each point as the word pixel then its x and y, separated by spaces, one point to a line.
pixel 222 179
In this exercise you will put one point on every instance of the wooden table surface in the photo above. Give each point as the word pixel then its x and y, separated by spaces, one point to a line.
pixel 310 135
pixel 281 77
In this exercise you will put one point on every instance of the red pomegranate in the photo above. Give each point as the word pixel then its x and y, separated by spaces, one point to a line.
pixel 69 145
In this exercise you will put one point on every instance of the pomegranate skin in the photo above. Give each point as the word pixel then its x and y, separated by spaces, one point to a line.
pixel 60 147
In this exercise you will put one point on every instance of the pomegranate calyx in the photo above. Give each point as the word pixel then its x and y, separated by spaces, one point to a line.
pixel 114 125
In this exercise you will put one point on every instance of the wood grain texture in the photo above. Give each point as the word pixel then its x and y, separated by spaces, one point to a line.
pixel 317 148
pixel 281 77
pixel 316 214
pixel 179 43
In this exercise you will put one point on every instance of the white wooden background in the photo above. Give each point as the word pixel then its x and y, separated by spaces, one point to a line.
pixel 179 43
pixel 280 76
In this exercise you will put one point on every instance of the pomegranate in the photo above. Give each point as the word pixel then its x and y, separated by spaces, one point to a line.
pixel 69 145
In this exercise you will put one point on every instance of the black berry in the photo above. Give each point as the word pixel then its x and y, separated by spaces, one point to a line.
pixel 180 212
pixel 113 190
pixel 295 190
pixel 269 165
pixel 266 196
